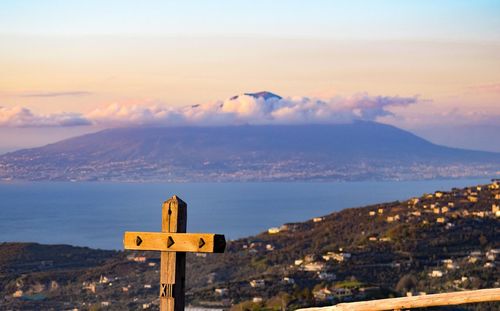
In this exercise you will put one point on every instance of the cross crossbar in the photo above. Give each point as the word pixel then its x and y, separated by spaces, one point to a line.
pixel 175 242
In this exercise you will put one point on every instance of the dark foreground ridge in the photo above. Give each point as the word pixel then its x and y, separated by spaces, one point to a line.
pixel 439 242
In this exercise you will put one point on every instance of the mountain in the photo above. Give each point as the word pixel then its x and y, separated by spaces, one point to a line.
pixel 351 151
pixel 441 242
pixel 264 94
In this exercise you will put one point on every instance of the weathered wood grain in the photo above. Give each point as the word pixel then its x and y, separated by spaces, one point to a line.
pixel 173 264
pixel 175 242
pixel 446 299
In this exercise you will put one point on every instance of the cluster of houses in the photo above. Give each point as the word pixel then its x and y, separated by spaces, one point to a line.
pixel 115 283
pixel 318 264
pixel 332 293
pixel 342 293
pixel 482 259
pixel 23 291
pixel 254 247
pixel 442 207
pixel 291 227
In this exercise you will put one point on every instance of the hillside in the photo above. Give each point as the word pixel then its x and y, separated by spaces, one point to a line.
pixel 351 151
pixel 439 242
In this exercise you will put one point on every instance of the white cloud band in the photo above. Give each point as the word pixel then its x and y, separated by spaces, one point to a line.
pixel 261 108
pixel 23 117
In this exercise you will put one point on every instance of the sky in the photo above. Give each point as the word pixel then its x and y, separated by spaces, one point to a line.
pixel 74 67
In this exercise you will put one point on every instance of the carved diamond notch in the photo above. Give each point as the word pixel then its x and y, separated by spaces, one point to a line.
pixel 170 242
pixel 201 243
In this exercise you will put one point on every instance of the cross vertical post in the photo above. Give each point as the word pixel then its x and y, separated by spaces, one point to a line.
pixel 173 264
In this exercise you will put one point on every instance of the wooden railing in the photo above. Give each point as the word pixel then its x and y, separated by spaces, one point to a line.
pixel 434 300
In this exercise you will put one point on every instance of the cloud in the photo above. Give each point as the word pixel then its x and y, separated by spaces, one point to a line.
pixel 56 94
pixel 252 109
pixel 258 108
pixel 23 117
pixel 454 117
pixel 146 113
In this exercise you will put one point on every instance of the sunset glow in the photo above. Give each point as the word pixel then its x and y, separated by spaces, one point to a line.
pixel 91 65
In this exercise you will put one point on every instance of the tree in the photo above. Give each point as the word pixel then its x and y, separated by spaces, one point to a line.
pixel 483 240
pixel 406 283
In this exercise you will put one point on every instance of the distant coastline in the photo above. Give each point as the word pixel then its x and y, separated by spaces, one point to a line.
pixel 357 151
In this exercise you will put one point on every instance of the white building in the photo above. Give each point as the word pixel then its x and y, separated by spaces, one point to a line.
pixel 314 266
pixel 342 292
pixel 336 256
pixel 257 283
pixel 103 279
pixel 288 280
pixel 495 210
pixel 273 230
pixel 322 294
pixel 436 274
pixel 221 291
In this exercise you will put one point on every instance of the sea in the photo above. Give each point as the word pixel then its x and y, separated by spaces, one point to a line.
pixel 96 214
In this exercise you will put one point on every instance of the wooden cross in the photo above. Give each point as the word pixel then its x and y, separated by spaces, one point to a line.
pixel 173 242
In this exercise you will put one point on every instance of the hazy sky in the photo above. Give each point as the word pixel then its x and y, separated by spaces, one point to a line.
pixel 69 67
